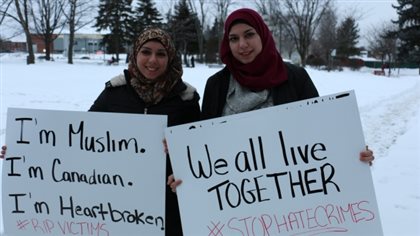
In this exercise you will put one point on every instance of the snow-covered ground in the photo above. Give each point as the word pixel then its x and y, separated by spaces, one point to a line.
pixel 389 109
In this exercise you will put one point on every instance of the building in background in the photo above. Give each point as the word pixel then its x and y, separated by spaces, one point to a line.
pixel 83 43
pixel 9 46
pixel 38 43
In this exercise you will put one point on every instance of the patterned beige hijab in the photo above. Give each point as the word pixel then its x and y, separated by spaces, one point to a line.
pixel 152 91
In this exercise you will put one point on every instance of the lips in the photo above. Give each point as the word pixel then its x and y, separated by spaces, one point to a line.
pixel 152 69
pixel 151 72
pixel 245 53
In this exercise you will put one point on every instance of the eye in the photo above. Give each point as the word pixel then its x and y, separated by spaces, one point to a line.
pixel 161 54
pixel 250 34
pixel 145 52
pixel 233 39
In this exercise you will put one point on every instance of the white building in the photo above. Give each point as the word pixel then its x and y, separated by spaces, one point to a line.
pixel 83 43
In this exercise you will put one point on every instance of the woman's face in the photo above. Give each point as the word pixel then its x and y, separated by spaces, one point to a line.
pixel 152 60
pixel 244 42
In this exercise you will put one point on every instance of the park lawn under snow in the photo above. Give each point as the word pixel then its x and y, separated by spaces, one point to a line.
pixel 389 109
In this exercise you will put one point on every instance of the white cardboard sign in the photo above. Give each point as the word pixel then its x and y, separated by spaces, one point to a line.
pixel 286 170
pixel 83 173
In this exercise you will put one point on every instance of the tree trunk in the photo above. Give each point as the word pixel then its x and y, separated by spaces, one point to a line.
pixel 31 57
pixel 70 48
pixel 71 42
pixel 23 21
pixel 47 42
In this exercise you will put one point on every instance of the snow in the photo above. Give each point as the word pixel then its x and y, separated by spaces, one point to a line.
pixel 389 109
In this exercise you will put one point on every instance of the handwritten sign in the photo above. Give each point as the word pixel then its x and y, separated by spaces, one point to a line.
pixel 286 170
pixel 83 173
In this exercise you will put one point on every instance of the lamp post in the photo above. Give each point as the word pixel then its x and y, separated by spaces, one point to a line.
pixel 331 59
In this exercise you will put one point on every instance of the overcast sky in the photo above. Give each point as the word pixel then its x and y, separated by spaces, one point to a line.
pixel 368 13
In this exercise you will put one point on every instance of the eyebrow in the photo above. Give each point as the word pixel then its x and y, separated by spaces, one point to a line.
pixel 246 31
pixel 159 50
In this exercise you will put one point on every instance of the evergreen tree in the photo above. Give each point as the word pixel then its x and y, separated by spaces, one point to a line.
pixel 212 42
pixel 116 17
pixel 145 15
pixel 409 31
pixel 347 38
pixel 182 28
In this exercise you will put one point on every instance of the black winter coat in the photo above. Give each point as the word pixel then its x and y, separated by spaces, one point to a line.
pixel 298 86
pixel 181 106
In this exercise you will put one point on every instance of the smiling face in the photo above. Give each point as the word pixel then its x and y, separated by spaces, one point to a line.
pixel 244 42
pixel 152 60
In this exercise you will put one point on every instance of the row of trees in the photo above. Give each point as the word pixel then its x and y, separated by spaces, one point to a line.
pixel 310 28
pixel 47 18
pixel 300 21
pixel 320 38
pixel 125 23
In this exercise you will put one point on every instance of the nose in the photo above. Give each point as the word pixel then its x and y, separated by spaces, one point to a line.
pixel 152 57
pixel 242 42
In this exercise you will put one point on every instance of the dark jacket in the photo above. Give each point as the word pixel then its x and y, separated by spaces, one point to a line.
pixel 298 86
pixel 181 106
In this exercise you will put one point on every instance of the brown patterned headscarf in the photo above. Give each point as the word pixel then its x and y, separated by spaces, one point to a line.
pixel 152 91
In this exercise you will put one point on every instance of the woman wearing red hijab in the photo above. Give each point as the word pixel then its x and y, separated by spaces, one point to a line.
pixel 255 75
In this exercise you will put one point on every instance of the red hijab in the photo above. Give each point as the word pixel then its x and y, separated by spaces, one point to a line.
pixel 267 70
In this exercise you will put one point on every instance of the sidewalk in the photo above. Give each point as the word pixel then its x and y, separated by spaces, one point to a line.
pixel 397 184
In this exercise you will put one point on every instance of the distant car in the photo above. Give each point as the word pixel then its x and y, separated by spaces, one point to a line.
pixel 85 58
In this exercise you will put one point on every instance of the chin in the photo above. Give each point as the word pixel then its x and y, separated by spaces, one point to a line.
pixel 153 77
pixel 246 61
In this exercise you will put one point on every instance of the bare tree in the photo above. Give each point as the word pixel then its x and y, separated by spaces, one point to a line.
pixel 301 19
pixel 5 5
pixel 21 14
pixel 383 44
pixel 270 12
pixel 48 17
pixel 78 11
pixel 222 7
pixel 327 36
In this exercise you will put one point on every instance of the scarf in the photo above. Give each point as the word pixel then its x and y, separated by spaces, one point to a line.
pixel 240 99
pixel 153 91
pixel 268 69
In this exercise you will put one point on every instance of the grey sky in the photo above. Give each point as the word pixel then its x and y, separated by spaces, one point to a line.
pixel 368 13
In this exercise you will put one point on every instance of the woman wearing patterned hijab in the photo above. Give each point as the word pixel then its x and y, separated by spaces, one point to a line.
pixel 152 84
pixel 153 79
